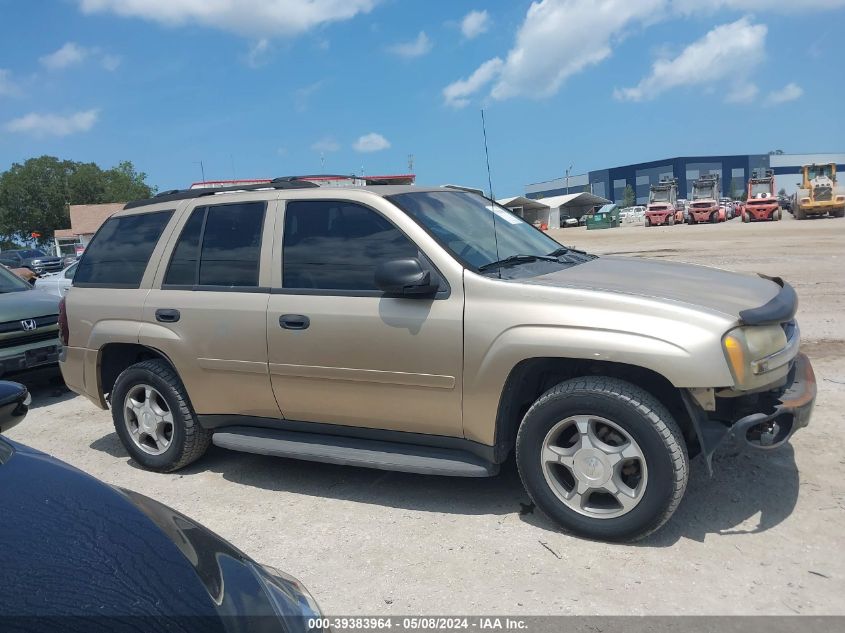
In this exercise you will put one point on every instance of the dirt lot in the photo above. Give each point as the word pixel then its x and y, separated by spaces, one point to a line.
pixel 763 536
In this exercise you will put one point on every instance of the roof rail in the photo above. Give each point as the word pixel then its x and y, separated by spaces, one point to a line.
pixel 171 195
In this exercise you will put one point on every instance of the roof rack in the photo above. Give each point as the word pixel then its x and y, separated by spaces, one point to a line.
pixel 171 195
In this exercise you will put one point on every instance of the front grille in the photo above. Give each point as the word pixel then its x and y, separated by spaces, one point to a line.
pixel 17 326
pixel 49 335
pixel 823 194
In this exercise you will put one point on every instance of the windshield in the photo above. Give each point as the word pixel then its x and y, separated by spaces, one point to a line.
pixel 702 191
pixel 819 170
pixel 10 282
pixel 463 223
pixel 30 253
pixel 759 187
pixel 660 195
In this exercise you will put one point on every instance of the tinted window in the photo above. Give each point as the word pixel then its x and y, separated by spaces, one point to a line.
pixel 336 245
pixel 119 253
pixel 228 247
pixel 71 271
pixel 183 264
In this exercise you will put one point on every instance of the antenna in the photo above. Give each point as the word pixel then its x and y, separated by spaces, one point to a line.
pixel 410 163
pixel 323 160
pixel 490 186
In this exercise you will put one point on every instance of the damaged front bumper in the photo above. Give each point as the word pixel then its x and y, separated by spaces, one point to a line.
pixel 780 413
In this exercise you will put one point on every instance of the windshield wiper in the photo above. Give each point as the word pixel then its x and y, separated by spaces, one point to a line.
pixel 558 252
pixel 517 259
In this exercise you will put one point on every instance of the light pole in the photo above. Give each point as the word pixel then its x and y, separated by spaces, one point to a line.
pixel 568 169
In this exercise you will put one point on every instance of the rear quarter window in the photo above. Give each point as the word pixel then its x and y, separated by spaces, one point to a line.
pixel 120 251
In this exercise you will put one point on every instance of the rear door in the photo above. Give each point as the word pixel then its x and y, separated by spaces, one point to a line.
pixel 340 351
pixel 208 309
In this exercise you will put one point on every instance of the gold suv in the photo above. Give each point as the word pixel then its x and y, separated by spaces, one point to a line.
pixel 426 330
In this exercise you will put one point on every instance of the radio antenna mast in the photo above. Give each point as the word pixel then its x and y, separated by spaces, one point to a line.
pixel 490 189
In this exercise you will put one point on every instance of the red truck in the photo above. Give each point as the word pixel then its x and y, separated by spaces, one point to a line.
pixel 705 201
pixel 762 203
pixel 662 205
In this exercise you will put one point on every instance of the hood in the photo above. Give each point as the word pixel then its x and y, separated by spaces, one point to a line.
pixel 26 304
pixel 700 286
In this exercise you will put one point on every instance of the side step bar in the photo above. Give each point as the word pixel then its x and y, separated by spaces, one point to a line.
pixel 349 451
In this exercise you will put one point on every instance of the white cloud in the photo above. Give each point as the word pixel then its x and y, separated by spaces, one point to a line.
pixel 743 92
pixel 110 62
pixel 371 142
pixel 8 88
pixel 41 125
pixel 475 23
pixel 326 145
pixel 728 51
pixel 558 39
pixel 251 18
pixel 302 96
pixel 790 92
pixel 258 52
pixel 781 6
pixel 415 48
pixel 457 94
pixel 71 54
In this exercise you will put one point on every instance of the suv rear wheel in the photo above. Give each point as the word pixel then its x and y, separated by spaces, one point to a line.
pixel 154 418
pixel 603 458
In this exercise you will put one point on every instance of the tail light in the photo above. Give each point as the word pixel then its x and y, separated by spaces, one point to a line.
pixel 63 327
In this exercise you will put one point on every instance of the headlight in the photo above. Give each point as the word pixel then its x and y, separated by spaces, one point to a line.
pixel 756 350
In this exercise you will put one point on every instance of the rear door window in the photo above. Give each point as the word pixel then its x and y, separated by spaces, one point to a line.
pixel 220 246
pixel 120 251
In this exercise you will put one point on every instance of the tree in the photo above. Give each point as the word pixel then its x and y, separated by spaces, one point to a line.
pixel 34 196
pixel 630 197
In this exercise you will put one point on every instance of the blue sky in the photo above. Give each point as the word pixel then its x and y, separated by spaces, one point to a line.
pixel 262 88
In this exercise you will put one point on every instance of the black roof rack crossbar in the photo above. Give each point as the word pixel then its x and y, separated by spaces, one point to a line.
pixel 172 195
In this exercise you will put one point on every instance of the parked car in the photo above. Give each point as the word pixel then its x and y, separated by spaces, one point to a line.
pixel 76 547
pixel 57 283
pixel 35 259
pixel 568 222
pixel 385 327
pixel 28 325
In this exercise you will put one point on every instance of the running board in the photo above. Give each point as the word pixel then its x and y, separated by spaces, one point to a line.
pixel 350 451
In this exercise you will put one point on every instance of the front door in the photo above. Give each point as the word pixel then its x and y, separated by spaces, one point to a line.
pixel 342 353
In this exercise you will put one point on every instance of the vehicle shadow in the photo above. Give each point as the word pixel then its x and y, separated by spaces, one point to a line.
pixel 743 486
pixel 45 385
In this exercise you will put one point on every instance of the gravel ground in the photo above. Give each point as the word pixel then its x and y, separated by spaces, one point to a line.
pixel 763 536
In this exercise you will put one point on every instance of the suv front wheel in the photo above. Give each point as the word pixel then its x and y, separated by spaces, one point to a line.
pixel 603 458
pixel 154 418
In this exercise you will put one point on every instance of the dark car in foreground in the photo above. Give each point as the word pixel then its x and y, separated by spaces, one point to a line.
pixel 33 258
pixel 82 555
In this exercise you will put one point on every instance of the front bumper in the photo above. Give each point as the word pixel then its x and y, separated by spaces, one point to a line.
pixel 29 356
pixel 779 414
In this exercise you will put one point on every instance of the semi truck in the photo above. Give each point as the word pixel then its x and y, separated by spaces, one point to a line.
pixel 818 193
pixel 705 200
pixel 662 205
pixel 762 202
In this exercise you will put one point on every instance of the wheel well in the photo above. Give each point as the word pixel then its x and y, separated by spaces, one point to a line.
pixel 533 377
pixel 116 357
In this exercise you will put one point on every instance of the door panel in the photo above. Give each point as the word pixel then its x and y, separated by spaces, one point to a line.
pixel 369 361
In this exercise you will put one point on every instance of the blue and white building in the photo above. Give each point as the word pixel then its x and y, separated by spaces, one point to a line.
pixel 734 172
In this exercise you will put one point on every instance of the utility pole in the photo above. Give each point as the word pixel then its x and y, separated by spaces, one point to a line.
pixel 568 169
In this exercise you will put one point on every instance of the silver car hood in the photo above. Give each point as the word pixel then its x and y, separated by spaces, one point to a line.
pixel 700 286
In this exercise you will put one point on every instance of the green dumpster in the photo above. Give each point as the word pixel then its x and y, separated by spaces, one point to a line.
pixel 607 217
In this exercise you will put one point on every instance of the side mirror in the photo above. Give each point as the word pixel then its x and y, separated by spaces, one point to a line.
pixel 14 404
pixel 405 277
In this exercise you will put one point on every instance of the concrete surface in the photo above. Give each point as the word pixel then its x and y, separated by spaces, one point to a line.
pixel 764 536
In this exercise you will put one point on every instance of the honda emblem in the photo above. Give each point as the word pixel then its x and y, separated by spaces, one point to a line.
pixel 28 325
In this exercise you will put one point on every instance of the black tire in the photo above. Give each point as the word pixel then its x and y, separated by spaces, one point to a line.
pixel 189 440
pixel 644 418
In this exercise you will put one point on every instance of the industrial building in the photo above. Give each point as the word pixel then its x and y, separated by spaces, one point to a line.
pixel 734 172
